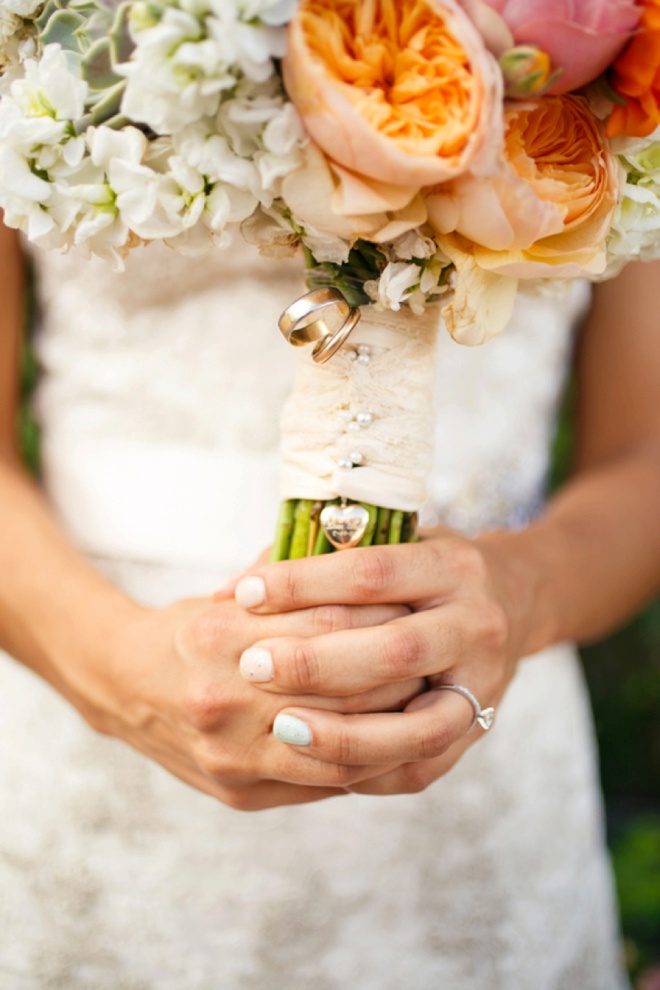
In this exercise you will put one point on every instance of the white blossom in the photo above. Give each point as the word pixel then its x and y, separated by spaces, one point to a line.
pixel 635 231
pixel 17 30
pixel 190 52
pixel 412 284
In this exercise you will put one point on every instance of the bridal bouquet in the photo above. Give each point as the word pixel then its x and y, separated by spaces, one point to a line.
pixel 424 157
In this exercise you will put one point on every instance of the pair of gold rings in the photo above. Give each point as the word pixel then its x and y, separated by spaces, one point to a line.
pixel 322 317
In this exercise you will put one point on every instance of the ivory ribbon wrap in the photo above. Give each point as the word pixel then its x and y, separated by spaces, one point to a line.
pixel 396 386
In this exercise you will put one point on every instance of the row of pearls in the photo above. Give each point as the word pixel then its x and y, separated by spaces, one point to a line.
pixel 356 422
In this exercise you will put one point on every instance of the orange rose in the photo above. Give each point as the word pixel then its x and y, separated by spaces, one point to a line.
pixel 636 78
pixel 400 91
pixel 546 215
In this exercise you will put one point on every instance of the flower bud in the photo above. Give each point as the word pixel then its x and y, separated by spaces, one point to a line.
pixel 527 71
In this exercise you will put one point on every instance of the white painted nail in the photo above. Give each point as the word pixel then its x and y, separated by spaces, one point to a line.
pixel 250 592
pixel 292 730
pixel 256 665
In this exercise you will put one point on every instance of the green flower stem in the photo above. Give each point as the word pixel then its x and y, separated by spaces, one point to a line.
pixel 282 541
pixel 299 533
pixel 409 530
pixel 370 531
pixel 322 544
pixel 301 524
pixel 396 526
pixel 382 527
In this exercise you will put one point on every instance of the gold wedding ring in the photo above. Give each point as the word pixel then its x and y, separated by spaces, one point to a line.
pixel 301 325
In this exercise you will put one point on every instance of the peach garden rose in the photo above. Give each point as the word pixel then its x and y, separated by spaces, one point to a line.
pixel 398 91
pixel 546 215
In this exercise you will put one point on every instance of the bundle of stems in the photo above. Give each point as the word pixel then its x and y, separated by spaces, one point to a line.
pixel 299 532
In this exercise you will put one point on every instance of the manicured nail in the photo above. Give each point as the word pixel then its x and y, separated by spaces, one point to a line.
pixel 292 730
pixel 256 665
pixel 250 592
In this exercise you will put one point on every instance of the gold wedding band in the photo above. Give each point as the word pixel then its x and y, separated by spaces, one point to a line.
pixel 300 325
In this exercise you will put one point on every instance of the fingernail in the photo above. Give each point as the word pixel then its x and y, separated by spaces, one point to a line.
pixel 292 730
pixel 256 665
pixel 250 592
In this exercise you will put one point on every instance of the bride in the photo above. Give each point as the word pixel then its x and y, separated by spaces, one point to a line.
pixel 390 850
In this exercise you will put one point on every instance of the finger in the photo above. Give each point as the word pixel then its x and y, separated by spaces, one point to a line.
pixel 412 778
pixel 326 619
pixel 424 731
pixel 228 589
pixel 354 661
pixel 296 769
pixel 401 573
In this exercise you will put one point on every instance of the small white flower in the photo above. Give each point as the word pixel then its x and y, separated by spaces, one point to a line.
pixel 635 231
pixel 413 244
pixel 271 230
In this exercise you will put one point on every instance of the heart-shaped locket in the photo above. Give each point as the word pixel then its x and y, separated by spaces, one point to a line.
pixel 344 525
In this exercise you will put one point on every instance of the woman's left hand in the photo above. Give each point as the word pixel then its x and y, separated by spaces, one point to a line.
pixel 468 626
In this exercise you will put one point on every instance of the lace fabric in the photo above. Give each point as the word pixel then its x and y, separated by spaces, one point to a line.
pixel 114 874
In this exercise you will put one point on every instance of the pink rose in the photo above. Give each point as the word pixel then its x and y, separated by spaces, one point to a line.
pixel 582 37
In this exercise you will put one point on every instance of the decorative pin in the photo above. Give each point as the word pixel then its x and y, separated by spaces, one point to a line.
pixel 344 525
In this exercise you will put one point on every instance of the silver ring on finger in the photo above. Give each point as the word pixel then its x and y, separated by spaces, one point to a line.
pixel 482 716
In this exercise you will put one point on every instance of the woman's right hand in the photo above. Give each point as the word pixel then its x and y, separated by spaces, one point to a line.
pixel 170 686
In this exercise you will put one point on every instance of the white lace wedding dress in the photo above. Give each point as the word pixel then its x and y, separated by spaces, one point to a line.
pixel 160 403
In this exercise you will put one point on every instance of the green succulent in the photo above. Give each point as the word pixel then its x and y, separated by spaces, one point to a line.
pixel 97 32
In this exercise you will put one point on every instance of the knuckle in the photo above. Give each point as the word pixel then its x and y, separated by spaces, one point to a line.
pixel 202 707
pixel 338 775
pixel 330 618
pixel 345 747
pixel 292 590
pixel 241 798
pixel 203 634
pixel 414 778
pixel 434 741
pixel 372 572
pixel 403 649
pixel 305 667
pixel 213 762
pixel 469 561
pixel 495 627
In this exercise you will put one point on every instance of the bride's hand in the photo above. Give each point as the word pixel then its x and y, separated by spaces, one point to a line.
pixel 176 695
pixel 468 627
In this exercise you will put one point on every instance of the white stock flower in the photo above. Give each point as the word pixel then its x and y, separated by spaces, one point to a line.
pixel 189 52
pixel 635 231
pixel 17 30
pixel 39 151
pixel 270 230
pixel 413 244
pixel 412 284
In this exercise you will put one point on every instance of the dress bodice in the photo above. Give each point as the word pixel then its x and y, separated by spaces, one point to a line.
pixel 173 374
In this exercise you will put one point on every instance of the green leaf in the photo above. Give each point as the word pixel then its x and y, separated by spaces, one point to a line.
pixel 97 68
pixel 61 30
pixel 108 105
pixel 120 35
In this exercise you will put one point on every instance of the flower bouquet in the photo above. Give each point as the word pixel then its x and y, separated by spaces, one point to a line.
pixel 423 157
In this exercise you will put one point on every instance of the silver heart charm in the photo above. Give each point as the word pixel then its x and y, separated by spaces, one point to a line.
pixel 486 717
pixel 344 525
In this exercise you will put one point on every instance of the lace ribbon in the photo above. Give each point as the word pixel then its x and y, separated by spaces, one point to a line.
pixel 369 406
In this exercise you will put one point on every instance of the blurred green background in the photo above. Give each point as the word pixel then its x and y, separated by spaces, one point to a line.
pixel 624 678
